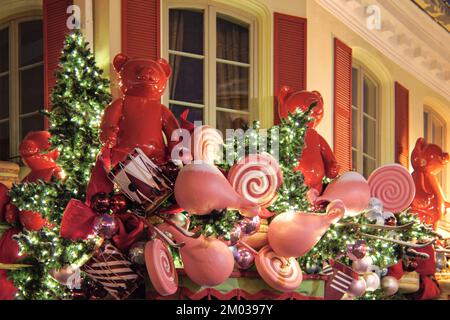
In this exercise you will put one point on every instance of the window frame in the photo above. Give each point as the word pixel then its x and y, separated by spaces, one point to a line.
pixel 434 115
pixel 211 12
pixel 14 69
pixel 363 71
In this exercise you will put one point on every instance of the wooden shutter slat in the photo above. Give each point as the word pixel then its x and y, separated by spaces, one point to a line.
pixel 141 28
pixel 401 125
pixel 55 29
pixel 343 104
pixel 290 40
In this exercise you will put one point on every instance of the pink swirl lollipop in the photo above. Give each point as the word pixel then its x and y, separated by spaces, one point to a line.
pixel 280 273
pixel 257 178
pixel 207 144
pixel 394 186
pixel 160 267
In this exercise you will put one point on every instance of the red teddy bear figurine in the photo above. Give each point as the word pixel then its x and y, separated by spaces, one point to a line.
pixel 429 203
pixel 42 164
pixel 138 119
pixel 317 159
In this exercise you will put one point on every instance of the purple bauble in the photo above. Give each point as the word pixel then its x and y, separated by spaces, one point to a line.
pixel 362 265
pixel 100 202
pixel 372 281
pixel 244 258
pixel 250 225
pixel 389 285
pixel 105 226
pixel 357 288
pixel 235 235
pixel 359 249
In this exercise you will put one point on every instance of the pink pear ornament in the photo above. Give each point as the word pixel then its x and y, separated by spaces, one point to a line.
pixel 351 188
pixel 201 188
pixel 207 261
pixel 292 234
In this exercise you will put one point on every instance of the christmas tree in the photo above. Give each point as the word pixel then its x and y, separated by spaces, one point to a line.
pixel 77 101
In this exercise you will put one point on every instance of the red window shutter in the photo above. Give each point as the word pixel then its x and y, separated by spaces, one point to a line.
pixel 140 28
pixel 289 54
pixel 55 29
pixel 401 125
pixel 343 104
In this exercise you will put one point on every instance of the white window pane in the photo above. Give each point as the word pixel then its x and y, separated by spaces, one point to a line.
pixel 370 97
pixel 32 89
pixel 4 50
pixel 4 141
pixel 370 137
pixel 229 120
pixel 186 31
pixel 186 82
pixel 4 97
pixel 31 51
pixel 355 87
pixel 354 160
pixel 355 128
pixel 232 86
pixel 232 41
pixel 437 133
pixel 195 114
pixel 31 123
pixel 368 166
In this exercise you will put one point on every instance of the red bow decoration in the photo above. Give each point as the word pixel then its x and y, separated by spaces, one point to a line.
pixel 78 221
pixel 429 289
pixel 99 181
pixel 131 230
pixel 9 253
pixel 78 224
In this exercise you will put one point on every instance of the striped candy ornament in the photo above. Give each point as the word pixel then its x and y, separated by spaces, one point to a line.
pixel 339 281
pixel 257 177
pixel 110 269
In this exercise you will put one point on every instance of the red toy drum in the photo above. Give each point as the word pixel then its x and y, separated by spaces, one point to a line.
pixel 142 181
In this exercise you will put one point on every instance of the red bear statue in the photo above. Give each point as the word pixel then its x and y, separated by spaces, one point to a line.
pixel 42 164
pixel 429 203
pixel 317 159
pixel 138 119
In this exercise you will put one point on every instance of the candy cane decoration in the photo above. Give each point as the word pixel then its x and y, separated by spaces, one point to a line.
pixel 280 273
pixel 394 186
pixel 257 177
pixel 207 144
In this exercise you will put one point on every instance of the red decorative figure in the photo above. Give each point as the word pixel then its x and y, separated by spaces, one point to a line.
pixel 138 119
pixel 429 202
pixel 34 152
pixel 317 159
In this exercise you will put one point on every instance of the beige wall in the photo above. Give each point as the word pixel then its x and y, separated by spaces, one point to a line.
pixel 322 28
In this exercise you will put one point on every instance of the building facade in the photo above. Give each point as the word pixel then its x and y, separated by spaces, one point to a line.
pixel 382 67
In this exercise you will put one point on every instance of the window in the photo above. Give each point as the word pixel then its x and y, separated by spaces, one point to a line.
pixel 21 83
pixel 365 115
pixel 211 56
pixel 434 132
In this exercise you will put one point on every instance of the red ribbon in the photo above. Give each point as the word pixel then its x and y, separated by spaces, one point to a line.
pixel 131 230
pixel 78 221
pixel 9 253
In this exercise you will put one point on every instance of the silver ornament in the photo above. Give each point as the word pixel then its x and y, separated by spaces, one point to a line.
pixel 137 253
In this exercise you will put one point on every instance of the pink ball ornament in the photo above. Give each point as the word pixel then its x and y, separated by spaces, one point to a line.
pixel 372 281
pixel 357 288
pixel 105 225
pixel 362 265
pixel 389 285
pixel 244 258
pixel 250 226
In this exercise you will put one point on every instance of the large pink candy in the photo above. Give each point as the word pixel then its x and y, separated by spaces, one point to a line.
pixel 257 178
pixel 207 144
pixel 394 186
